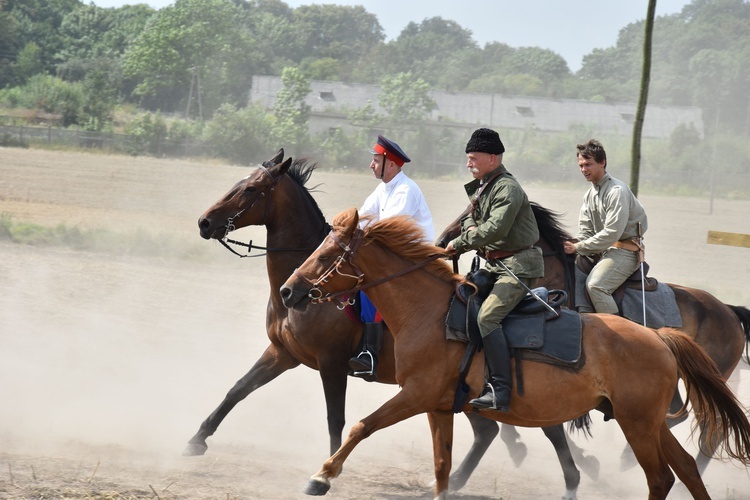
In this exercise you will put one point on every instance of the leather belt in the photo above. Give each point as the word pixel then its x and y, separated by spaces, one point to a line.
pixel 628 244
pixel 503 254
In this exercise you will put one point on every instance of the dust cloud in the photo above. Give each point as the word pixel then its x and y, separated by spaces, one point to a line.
pixel 109 362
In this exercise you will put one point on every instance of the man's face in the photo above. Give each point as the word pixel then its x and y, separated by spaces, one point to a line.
pixel 376 165
pixel 591 170
pixel 480 164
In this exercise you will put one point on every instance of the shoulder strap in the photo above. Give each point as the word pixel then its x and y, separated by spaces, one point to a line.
pixel 475 198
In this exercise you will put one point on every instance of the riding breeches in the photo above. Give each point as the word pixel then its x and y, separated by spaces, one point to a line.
pixel 615 266
pixel 505 295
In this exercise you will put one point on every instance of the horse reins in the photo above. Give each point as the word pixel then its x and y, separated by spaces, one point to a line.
pixel 249 245
pixel 316 293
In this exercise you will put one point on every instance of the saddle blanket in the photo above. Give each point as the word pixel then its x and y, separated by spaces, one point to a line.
pixel 661 306
pixel 554 339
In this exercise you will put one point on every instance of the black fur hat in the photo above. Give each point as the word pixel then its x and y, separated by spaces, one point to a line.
pixel 485 140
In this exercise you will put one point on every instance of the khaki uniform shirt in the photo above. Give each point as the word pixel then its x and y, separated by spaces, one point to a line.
pixel 504 221
pixel 610 213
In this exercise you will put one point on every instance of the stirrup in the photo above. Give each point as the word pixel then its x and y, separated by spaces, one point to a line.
pixel 371 371
pixel 494 406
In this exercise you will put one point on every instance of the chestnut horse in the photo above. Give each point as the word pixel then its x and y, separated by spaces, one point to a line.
pixel 324 339
pixel 722 330
pixel 628 371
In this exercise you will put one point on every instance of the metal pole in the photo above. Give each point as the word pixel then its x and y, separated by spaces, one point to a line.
pixel 643 276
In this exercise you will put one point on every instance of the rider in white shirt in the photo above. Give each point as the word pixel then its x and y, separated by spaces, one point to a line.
pixel 396 195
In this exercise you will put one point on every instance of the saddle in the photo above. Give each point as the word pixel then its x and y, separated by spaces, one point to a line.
pixel 533 331
pixel 530 326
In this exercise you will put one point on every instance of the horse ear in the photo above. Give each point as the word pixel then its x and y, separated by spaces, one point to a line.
pixel 278 158
pixel 285 166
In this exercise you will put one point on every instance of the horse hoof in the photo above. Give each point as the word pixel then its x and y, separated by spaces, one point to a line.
pixel 194 450
pixel 317 487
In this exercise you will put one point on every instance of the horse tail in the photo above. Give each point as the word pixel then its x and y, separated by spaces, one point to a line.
pixel 743 314
pixel 581 424
pixel 716 408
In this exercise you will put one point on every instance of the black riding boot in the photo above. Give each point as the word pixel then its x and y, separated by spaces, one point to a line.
pixel 496 395
pixel 365 363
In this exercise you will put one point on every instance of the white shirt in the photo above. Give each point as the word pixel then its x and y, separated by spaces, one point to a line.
pixel 400 196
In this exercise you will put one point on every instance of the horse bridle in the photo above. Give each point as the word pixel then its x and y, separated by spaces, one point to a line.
pixel 318 295
pixel 225 240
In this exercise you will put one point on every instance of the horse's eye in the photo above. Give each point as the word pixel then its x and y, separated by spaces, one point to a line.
pixel 250 189
pixel 324 259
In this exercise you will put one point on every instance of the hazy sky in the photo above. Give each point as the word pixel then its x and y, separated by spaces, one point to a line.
pixel 571 28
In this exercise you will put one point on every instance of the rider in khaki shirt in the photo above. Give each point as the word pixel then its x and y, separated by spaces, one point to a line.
pixel 607 225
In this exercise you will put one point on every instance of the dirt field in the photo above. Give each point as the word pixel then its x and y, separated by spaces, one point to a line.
pixel 109 363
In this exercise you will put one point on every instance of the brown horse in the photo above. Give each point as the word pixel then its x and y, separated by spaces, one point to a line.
pixel 323 338
pixel 628 371
pixel 722 330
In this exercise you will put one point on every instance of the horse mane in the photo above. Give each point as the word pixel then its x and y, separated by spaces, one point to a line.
pixel 550 227
pixel 300 171
pixel 402 236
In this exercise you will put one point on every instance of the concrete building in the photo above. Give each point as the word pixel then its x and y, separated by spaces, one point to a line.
pixel 331 102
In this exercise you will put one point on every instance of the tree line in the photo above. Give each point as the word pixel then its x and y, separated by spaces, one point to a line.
pixel 196 58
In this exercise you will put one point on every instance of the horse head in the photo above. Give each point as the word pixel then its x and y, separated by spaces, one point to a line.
pixel 247 202
pixel 328 270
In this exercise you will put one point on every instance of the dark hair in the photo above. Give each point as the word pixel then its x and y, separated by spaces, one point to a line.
pixel 593 149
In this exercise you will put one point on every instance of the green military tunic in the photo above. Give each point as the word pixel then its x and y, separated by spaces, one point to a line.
pixel 504 221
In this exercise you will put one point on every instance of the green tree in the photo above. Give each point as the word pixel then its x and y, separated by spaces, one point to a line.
pixel 28 63
pixel 39 21
pixel 405 98
pixel 194 49
pixel 423 49
pixel 242 136
pixel 344 33
pixel 291 112
pixel 543 64
pixel 9 44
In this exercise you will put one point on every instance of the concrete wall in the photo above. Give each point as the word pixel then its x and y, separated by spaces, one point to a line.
pixel 332 101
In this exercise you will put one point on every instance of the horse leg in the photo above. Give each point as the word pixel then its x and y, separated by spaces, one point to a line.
pixel 273 362
pixel 627 460
pixel 485 431
pixel 647 447
pixel 556 435
pixel 682 464
pixel 400 407
pixel 516 448
pixel 441 425
pixel 334 380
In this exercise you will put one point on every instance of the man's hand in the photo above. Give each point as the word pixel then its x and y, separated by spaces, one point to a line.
pixel 569 247
pixel 449 249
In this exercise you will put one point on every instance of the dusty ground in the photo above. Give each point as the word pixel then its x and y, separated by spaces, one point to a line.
pixel 108 363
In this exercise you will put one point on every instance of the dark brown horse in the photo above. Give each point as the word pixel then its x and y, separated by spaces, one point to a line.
pixel 722 330
pixel 629 371
pixel 323 338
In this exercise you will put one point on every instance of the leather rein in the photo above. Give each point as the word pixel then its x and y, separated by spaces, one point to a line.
pixel 225 241
pixel 318 295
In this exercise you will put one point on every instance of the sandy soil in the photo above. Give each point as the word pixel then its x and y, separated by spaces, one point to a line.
pixel 108 363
